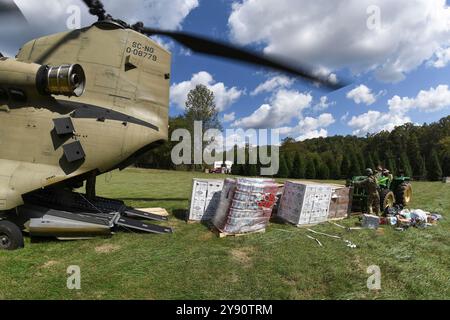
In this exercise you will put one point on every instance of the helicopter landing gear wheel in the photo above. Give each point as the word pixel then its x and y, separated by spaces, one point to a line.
pixel 11 237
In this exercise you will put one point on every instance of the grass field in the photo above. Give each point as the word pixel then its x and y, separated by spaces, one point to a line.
pixel 192 263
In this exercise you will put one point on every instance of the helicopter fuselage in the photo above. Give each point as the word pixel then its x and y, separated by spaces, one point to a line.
pixel 123 111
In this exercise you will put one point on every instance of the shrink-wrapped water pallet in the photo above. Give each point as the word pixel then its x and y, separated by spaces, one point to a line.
pixel 245 205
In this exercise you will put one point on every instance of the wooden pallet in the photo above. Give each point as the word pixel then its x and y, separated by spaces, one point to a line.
pixel 221 234
pixel 158 211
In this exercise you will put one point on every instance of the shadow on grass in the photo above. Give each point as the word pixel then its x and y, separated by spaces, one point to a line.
pixel 180 214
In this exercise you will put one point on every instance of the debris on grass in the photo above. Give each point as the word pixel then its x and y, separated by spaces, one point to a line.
pixel 317 240
pixel 347 242
pixel 107 248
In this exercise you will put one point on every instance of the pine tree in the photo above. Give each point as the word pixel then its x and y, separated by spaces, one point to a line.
pixel 298 167
pixel 345 166
pixel 289 163
pixel 404 165
pixel 310 170
pixel 235 168
pixel 369 162
pixel 376 159
pixel 446 166
pixel 252 170
pixel 323 172
pixel 283 170
pixel 415 158
pixel 434 167
pixel 389 162
pixel 422 169
pixel 361 161
pixel 355 169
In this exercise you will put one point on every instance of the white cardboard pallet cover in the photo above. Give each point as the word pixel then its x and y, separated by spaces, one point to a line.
pixel 245 205
pixel 304 203
pixel 205 198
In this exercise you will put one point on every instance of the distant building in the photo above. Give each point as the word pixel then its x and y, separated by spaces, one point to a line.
pixel 222 167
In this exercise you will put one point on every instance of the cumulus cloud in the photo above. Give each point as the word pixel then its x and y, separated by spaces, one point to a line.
pixel 272 84
pixel 51 16
pixel 229 117
pixel 362 94
pixel 285 105
pixel 309 127
pixel 322 133
pixel 442 58
pixel 430 100
pixel 336 34
pixel 323 104
pixel 224 96
pixel 375 121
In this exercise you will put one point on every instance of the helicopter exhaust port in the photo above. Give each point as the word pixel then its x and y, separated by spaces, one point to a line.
pixel 67 80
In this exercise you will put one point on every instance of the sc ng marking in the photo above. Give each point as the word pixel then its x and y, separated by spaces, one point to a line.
pixel 140 50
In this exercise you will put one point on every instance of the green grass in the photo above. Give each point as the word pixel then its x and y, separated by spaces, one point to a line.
pixel 194 264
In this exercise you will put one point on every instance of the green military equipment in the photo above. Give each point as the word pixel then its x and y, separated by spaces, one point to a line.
pixel 77 104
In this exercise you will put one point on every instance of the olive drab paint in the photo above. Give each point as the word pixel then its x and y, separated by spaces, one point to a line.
pixel 123 109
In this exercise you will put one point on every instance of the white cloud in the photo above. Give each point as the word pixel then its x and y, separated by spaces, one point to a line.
pixel 434 99
pixel 165 43
pixel 426 101
pixel 310 128
pixel 285 105
pixel 442 58
pixel 362 94
pixel 224 96
pixel 375 121
pixel 229 117
pixel 345 116
pixel 50 16
pixel 323 104
pixel 167 14
pixel 322 133
pixel 272 84
pixel 335 34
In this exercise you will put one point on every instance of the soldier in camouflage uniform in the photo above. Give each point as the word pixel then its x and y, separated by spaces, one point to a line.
pixel 373 197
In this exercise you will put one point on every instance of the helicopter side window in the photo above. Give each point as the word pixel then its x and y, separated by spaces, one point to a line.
pixel 3 95
pixel 18 95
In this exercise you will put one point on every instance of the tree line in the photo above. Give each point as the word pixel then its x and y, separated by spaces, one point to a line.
pixel 418 151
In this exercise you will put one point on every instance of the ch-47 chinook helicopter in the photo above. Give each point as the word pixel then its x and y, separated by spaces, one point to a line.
pixel 77 104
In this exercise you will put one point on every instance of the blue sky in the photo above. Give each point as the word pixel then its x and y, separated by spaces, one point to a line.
pixel 211 18
pixel 396 55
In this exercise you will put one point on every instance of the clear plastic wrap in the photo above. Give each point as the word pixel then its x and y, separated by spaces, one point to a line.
pixel 245 205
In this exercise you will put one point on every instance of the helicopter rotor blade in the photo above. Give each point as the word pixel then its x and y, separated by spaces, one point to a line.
pixel 96 8
pixel 215 48
pixel 10 9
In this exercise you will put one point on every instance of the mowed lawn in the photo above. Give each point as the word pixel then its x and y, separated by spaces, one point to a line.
pixel 193 263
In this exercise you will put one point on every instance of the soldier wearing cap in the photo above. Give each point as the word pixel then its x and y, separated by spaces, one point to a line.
pixel 371 186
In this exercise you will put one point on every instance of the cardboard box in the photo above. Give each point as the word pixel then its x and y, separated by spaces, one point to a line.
pixel 304 203
pixel 205 199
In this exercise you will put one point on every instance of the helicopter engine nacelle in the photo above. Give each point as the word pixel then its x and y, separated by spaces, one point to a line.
pixel 35 79
pixel 68 80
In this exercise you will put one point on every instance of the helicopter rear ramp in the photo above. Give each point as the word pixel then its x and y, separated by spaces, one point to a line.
pixel 70 215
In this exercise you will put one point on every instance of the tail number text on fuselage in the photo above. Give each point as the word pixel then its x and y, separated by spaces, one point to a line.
pixel 141 50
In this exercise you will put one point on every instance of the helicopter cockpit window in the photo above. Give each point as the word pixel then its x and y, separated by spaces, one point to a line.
pixel 3 95
pixel 18 95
